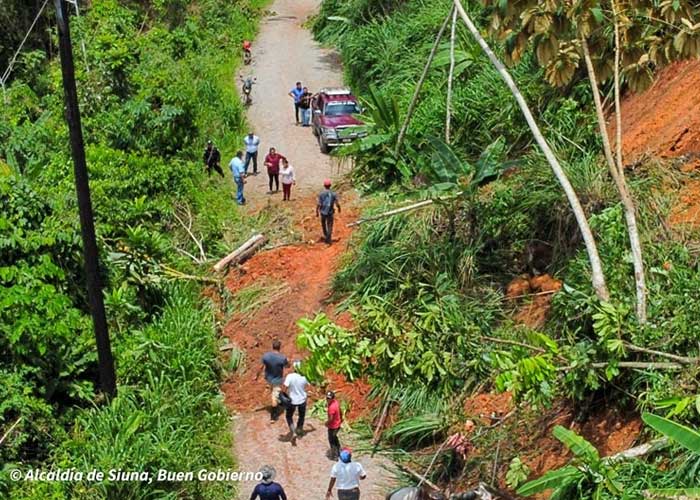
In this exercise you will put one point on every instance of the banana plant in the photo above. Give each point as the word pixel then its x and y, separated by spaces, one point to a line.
pixel 587 472
pixel 449 173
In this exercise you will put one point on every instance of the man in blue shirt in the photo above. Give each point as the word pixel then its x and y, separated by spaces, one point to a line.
pixel 238 170
pixel 296 94
pixel 252 142
pixel 267 489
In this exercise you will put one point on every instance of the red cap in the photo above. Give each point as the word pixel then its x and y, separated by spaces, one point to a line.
pixel 327 183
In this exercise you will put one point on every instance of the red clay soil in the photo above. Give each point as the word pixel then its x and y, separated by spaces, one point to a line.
pixel 534 295
pixel 664 120
pixel 307 269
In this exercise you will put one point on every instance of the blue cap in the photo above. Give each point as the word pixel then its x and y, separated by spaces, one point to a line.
pixel 345 456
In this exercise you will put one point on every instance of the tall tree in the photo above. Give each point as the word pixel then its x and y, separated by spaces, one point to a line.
pixel 616 39
pixel 597 277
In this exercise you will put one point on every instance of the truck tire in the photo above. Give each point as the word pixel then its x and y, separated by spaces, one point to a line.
pixel 325 148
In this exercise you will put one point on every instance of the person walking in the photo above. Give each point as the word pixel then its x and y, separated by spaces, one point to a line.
pixel 272 162
pixel 346 476
pixel 333 423
pixel 325 208
pixel 288 178
pixel 267 489
pixel 273 364
pixel 305 107
pixel 238 170
pixel 212 159
pixel 252 142
pixel 295 387
pixel 295 94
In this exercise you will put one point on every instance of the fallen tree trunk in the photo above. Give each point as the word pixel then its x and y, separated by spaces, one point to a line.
pixel 241 253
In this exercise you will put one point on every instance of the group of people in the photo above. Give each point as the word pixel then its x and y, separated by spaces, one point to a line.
pixel 302 104
pixel 278 167
pixel 278 170
pixel 288 394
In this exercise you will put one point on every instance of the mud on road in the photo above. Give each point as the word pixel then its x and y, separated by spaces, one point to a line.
pixel 283 54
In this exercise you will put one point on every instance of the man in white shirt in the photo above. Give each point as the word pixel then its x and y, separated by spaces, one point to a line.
pixel 346 476
pixel 295 387
pixel 252 142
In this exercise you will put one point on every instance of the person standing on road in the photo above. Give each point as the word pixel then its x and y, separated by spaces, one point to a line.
pixel 296 94
pixel 238 170
pixel 288 178
pixel 327 201
pixel 272 162
pixel 295 387
pixel 252 142
pixel 267 489
pixel 305 107
pixel 273 363
pixel 333 423
pixel 212 159
pixel 346 476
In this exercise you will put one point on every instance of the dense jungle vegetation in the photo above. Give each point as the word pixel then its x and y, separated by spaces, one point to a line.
pixel 152 88
pixel 427 289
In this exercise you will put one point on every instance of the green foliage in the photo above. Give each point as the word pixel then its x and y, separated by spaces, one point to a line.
pixel 589 476
pixel 683 435
pixel 331 347
pixel 517 473
pixel 154 84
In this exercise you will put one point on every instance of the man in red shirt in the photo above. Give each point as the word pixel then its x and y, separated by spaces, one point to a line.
pixel 272 162
pixel 333 424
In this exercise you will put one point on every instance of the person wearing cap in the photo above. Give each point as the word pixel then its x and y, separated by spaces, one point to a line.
pixel 325 208
pixel 346 476
pixel 212 159
pixel 252 142
pixel 268 489
pixel 288 178
pixel 333 423
pixel 295 387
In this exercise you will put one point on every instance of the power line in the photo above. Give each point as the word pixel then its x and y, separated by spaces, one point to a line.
pixel 7 72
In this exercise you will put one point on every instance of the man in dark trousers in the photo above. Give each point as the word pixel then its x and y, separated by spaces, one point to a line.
pixel 296 94
pixel 212 159
pixel 273 363
pixel 333 423
pixel 325 208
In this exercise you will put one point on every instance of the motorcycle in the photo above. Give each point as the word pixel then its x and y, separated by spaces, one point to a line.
pixel 247 54
pixel 246 89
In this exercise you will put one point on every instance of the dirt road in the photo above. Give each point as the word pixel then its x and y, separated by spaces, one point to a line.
pixel 284 52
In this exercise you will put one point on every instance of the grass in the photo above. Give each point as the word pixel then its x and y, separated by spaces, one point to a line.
pixel 248 301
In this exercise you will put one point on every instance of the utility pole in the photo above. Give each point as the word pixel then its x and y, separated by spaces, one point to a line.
pixel 94 287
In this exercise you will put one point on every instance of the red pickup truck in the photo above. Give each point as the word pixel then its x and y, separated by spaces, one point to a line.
pixel 334 119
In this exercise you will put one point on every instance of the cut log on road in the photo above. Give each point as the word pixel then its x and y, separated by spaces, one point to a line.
pixel 241 253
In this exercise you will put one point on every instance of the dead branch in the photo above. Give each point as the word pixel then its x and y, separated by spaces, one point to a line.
pixel 174 273
pixel 420 477
pixel 380 424
pixel 188 228
pixel 12 427
pixel 419 85
pixel 675 357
